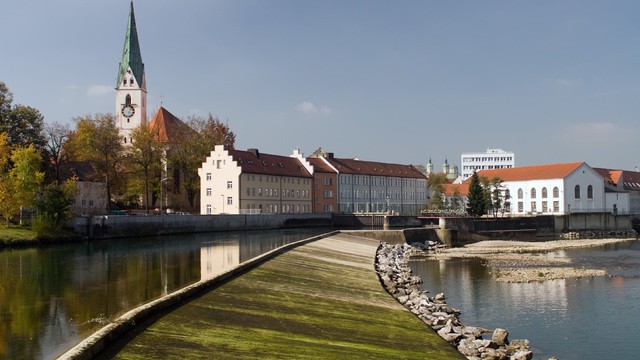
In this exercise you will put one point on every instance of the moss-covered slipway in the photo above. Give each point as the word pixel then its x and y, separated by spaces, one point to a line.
pixel 322 300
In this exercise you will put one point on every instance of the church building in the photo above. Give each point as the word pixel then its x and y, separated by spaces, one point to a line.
pixel 131 112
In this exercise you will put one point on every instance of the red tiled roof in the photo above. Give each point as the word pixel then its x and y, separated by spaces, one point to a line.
pixel 352 166
pixel 449 189
pixel 166 126
pixel 320 166
pixel 536 172
pixel 267 164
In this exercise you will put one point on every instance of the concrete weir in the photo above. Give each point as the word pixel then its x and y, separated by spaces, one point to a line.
pixel 317 298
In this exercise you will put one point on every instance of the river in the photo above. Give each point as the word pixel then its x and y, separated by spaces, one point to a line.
pixel 586 318
pixel 53 297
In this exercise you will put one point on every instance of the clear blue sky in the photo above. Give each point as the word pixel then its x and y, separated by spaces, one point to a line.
pixel 392 81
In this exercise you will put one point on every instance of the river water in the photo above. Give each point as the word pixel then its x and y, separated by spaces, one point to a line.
pixel 586 318
pixel 53 297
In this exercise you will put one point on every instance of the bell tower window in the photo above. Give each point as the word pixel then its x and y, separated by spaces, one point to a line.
pixel 131 81
pixel 127 100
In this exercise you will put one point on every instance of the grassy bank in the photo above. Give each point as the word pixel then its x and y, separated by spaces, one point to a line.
pixel 18 236
pixel 319 301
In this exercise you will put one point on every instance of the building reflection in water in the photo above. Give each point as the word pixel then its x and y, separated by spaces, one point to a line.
pixel 215 258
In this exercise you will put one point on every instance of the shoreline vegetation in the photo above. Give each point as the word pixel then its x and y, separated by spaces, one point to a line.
pixel 20 236
pixel 522 261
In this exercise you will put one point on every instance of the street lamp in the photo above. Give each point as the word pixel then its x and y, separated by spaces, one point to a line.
pixel 161 199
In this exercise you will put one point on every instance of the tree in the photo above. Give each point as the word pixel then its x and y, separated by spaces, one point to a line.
pixel 456 200
pixel 435 183
pixel 20 178
pixel 476 200
pixel 145 156
pixel 97 140
pixel 496 195
pixel 24 126
pixel 55 202
pixel 57 136
pixel 193 144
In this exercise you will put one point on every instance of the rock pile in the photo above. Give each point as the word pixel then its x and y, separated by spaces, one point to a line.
pixel 395 275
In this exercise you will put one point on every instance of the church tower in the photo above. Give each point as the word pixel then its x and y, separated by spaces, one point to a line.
pixel 131 90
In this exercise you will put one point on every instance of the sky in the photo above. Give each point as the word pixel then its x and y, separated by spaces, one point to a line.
pixel 390 81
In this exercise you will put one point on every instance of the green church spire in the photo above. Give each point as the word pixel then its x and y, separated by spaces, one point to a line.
pixel 131 56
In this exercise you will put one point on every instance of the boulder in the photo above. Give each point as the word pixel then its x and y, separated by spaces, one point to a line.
pixel 522 355
pixel 500 337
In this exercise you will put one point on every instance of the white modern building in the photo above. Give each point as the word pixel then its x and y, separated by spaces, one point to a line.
pixel 250 182
pixel 489 160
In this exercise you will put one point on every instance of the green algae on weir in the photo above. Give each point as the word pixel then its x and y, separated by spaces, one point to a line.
pixel 321 300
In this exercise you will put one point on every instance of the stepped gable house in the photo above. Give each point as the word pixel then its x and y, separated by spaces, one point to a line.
pixel 251 182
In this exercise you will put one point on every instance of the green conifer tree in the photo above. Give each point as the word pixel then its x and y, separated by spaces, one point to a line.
pixel 476 201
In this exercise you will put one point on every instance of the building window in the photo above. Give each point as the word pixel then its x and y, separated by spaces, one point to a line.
pixel 218 164
pixel 520 194
pixel 229 200
pixel 589 192
pixel 90 202
pixel 208 176
pixel 229 184
pixel 544 207
pixel 533 193
pixel 556 192
pixel 208 209
pixel 577 191
pixel 520 206
pixel 544 193
pixel 208 191
pixel 533 207
pixel 327 181
pixel 556 206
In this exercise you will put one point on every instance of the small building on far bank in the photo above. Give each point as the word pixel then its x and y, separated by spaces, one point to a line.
pixel 91 198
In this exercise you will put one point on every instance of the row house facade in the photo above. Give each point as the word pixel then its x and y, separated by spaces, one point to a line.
pixel 369 187
pixel 250 182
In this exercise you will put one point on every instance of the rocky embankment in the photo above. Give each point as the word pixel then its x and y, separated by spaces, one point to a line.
pixel 396 276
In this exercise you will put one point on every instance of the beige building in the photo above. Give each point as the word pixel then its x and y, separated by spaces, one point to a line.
pixel 250 182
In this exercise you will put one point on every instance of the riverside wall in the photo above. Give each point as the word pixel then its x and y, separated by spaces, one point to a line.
pixel 104 227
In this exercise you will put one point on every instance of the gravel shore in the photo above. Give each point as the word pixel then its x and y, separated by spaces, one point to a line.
pixel 522 261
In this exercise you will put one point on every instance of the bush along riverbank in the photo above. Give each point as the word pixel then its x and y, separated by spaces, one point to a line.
pixel 396 276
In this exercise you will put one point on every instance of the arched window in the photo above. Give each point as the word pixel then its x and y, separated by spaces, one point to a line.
pixel 131 81
pixel 577 192
pixel 127 100
pixel 533 193
pixel 544 192
pixel 556 192
pixel 589 192
pixel 520 194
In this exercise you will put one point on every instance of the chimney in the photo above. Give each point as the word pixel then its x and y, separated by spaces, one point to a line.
pixel 255 152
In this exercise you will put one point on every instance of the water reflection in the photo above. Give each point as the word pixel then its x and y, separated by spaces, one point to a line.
pixel 585 318
pixel 51 298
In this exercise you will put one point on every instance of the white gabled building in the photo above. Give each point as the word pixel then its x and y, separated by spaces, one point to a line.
pixel 250 182
pixel 553 189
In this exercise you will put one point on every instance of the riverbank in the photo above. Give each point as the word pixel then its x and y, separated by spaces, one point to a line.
pixel 522 261
pixel 16 237
pixel 320 300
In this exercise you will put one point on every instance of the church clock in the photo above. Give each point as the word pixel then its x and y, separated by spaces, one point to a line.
pixel 128 111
